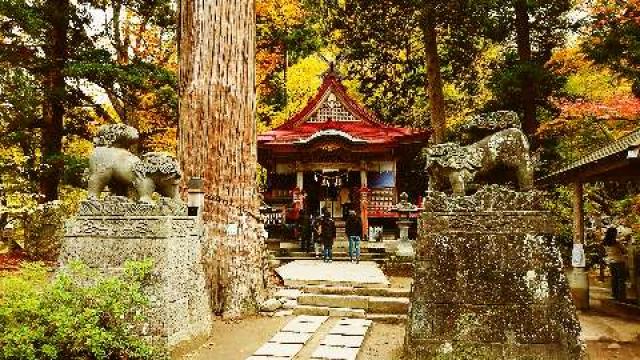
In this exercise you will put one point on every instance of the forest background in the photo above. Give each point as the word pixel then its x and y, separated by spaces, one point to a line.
pixel 571 69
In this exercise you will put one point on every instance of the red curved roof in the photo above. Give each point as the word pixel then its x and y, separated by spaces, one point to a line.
pixel 367 128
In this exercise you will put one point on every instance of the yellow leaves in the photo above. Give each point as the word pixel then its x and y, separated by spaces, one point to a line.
pixel 303 80
pixel 12 155
pixel 78 147
pixel 597 83
pixel 280 14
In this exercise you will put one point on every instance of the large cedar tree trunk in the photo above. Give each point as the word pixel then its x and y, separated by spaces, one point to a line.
pixel 55 93
pixel 217 141
pixel 523 42
pixel 434 78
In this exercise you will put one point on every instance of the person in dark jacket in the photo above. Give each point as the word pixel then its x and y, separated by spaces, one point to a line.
pixel 353 228
pixel 328 234
pixel 316 234
pixel 617 264
pixel 304 223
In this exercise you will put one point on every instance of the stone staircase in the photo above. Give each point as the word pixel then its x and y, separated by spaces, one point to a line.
pixel 369 251
pixel 388 305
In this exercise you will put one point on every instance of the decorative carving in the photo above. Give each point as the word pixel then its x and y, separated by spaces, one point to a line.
pixel 487 198
pixel 123 206
pixel 460 165
pixel 493 121
pixel 332 110
pixel 112 164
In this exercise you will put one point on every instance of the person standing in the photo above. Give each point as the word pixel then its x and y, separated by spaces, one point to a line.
pixel 304 223
pixel 316 234
pixel 328 235
pixel 617 264
pixel 353 229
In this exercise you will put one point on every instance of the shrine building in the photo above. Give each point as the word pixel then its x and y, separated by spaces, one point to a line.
pixel 336 154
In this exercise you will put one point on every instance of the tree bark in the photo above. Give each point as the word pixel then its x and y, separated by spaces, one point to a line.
pixel 434 78
pixel 55 94
pixel 217 141
pixel 529 87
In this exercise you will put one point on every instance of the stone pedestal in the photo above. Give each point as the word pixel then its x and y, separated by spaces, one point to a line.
pixel 106 234
pixel 489 282
pixel 579 284
pixel 404 247
pixel 403 226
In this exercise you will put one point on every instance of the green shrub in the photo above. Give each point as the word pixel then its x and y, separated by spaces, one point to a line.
pixel 76 315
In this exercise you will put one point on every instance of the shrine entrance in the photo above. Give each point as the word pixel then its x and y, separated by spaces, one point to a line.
pixel 334 189
pixel 337 154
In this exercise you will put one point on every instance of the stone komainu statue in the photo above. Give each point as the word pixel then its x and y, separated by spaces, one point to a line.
pixel 506 149
pixel 112 164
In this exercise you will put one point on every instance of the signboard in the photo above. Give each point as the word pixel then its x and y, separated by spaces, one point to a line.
pixel 577 256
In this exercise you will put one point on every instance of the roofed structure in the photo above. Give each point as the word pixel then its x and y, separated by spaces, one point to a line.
pixel 619 160
pixel 335 154
pixel 332 113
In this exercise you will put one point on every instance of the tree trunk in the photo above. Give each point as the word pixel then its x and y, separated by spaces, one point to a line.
pixel 529 87
pixel 434 78
pixel 217 141
pixel 53 107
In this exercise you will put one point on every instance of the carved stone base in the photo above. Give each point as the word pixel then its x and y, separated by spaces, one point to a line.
pixel 489 282
pixel 180 306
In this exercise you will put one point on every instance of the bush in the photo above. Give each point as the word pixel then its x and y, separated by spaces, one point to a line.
pixel 77 315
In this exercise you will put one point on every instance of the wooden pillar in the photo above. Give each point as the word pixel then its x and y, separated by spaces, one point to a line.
pixel 363 175
pixel 578 277
pixel 300 180
pixel 578 213
pixel 364 210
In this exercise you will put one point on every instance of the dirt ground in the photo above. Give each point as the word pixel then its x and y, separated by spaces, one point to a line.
pixel 238 340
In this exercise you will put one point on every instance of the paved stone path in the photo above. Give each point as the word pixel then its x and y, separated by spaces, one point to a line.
pixel 341 342
pixel 339 273
pixel 288 342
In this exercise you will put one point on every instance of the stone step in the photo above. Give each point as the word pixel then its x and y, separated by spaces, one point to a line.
pixel 371 246
pixel 336 301
pixel 363 255
pixel 312 310
pixel 336 259
pixel 386 305
pixel 388 318
pixel 343 290
pixel 329 311
pixel 371 304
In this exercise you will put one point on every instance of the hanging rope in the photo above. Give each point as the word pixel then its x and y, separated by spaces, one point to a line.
pixel 329 180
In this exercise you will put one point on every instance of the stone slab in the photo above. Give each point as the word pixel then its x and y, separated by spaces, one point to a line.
pixel 284 337
pixel 315 272
pixel 278 350
pixel 349 330
pixel 335 353
pixel 288 294
pixel 342 341
pixel 283 313
pixel 355 322
pixel 297 327
pixel 311 318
